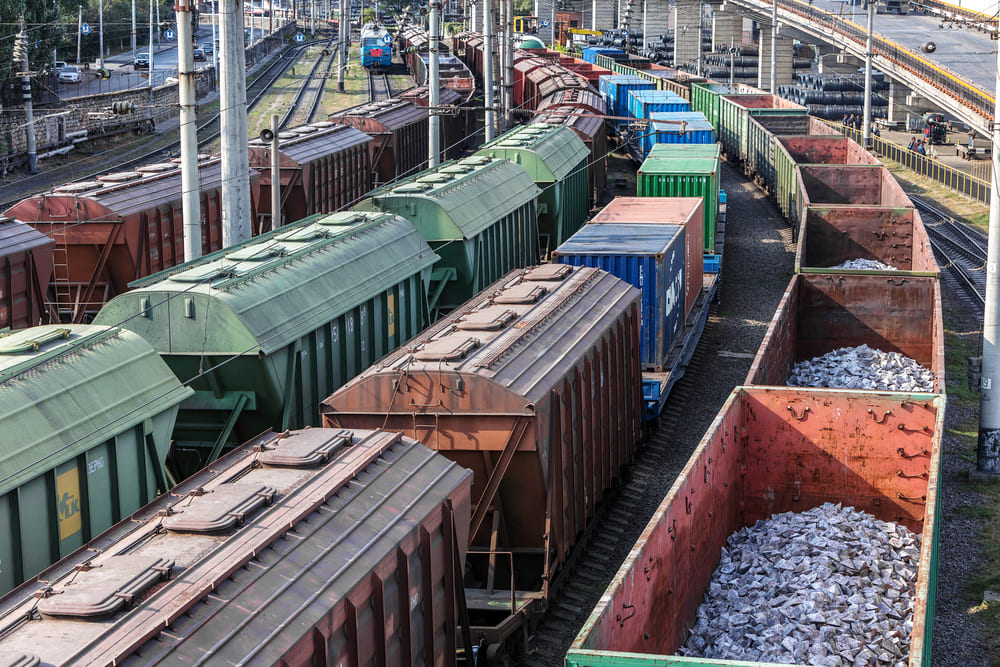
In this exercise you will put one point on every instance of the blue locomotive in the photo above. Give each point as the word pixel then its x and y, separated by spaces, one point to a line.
pixel 376 47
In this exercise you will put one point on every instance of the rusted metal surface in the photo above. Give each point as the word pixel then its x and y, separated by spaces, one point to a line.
pixel 772 450
pixel 683 211
pixel 399 131
pixel 830 235
pixel 324 168
pixel 120 228
pixel 524 64
pixel 593 132
pixel 458 126
pixel 353 562
pixel 826 150
pixel 856 185
pixel 25 271
pixel 535 387
pixel 587 101
pixel 545 81
pixel 820 313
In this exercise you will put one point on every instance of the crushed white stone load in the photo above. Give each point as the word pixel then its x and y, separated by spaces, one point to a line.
pixel 831 587
pixel 864 265
pixel 862 368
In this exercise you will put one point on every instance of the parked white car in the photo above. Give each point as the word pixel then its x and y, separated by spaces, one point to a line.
pixel 70 74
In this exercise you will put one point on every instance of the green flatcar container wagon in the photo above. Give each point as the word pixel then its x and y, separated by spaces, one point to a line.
pixel 86 414
pixel 683 173
pixel 479 214
pixel 705 98
pixel 556 160
pixel 734 119
pixel 265 330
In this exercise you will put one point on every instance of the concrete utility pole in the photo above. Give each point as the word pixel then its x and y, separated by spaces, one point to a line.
pixel 236 223
pixel 342 19
pixel 100 20
pixel 21 56
pixel 190 196
pixel 774 47
pixel 275 175
pixel 866 131
pixel 133 30
pixel 508 66
pixel 79 31
pixel 490 123
pixel 988 451
pixel 434 86
pixel 215 44
pixel 151 84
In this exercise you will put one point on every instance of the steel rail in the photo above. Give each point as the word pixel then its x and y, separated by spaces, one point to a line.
pixel 300 93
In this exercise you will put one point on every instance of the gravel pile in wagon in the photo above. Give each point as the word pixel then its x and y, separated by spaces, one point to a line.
pixel 831 586
pixel 862 368
pixel 864 265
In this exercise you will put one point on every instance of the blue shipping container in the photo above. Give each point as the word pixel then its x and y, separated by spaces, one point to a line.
pixel 641 103
pixel 590 54
pixel 697 129
pixel 615 88
pixel 650 257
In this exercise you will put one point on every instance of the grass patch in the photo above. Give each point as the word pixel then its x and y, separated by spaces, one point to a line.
pixel 952 203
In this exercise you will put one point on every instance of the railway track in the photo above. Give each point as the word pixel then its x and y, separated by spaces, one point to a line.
pixel 306 103
pixel 378 86
pixel 960 249
pixel 208 131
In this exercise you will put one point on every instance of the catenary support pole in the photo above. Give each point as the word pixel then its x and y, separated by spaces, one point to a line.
pixel 190 194
pixel 774 48
pixel 79 31
pixel 150 69
pixel 866 130
pixel 508 64
pixel 133 30
pixel 275 175
pixel 342 18
pixel 100 21
pixel 988 451
pixel 489 98
pixel 29 115
pixel 236 223
pixel 434 85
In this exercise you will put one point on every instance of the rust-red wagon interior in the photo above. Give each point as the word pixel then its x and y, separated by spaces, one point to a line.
pixel 399 130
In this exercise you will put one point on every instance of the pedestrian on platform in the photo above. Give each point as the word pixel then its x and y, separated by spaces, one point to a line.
pixel 920 148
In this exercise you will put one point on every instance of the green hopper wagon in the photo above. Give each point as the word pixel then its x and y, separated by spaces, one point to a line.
pixel 478 214
pixel 267 329
pixel 556 160
pixel 86 414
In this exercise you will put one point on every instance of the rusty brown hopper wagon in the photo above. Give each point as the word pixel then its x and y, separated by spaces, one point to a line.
pixel 313 547
pixel 324 168
pixel 119 228
pixel 535 386
pixel 25 270
pixel 399 130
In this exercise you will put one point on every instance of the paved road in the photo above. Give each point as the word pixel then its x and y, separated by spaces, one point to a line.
pixel 968 53
pixel 123 76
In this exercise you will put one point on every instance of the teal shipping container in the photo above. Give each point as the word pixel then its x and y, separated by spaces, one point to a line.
pixel 672 173
pixel 649 257
pixel 86 414
pixel 479 214
pixel 265 330
pixel 556 159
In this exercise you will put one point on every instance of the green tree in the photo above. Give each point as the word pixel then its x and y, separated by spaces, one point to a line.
pixel 42 24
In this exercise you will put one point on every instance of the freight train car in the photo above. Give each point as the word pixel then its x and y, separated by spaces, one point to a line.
pixel 772 450
pixel 535 387
pixel 306 547
pixel 26 269
pixel 556 160
pixel 458 124
pixel 735 112
pixel 479 214
pixel 86 412
pixel 399 130
pixel 119 228
pixel 323 168
pixel 592 130
pixel 264 330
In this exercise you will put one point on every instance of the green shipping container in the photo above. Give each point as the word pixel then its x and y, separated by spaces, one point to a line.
pixel 267 329
pixel 86 414
pixel 711 151
pixel 679 174
pixel 478 214
pixel 705 98
pixel 734 119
